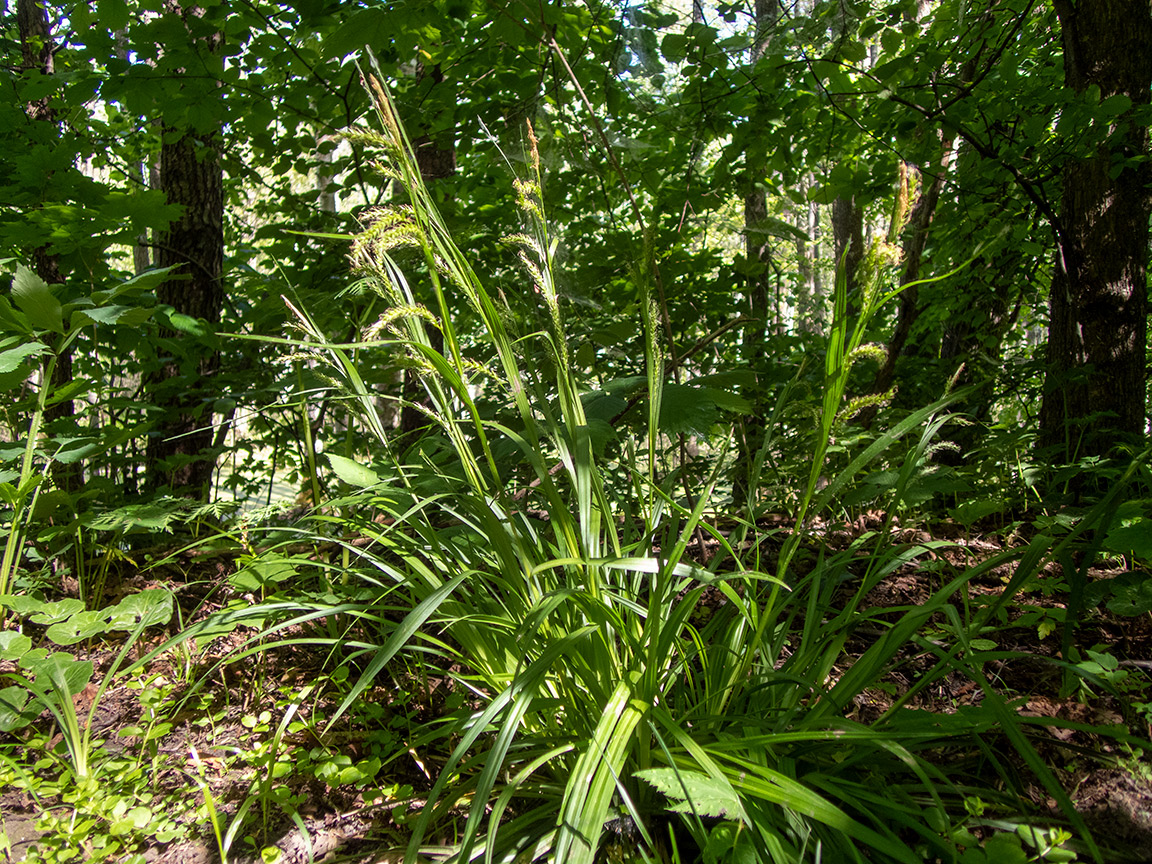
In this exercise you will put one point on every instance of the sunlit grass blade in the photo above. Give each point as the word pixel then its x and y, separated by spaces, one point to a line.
pixel 594 779
pixel 523 683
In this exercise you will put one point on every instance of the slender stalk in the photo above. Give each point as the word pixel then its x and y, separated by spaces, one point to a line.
pixel 22 513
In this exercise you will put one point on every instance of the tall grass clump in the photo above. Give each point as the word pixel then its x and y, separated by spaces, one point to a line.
pixel 615 697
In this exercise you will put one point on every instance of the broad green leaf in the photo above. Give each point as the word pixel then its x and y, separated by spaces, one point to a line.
pixel 694 792
pixel 188 324
pixel 13 358
pixel 773 226
pixel 21 604
pixel 77 628
pixel 674 47
pixel 76 449
pixel 13 320
pixel 1132 597
pixel 149 280
pixel 40 611
pixel 113 14
pixel 825 193
pixel 12 380
pixel 35 298
pixel 146 608
pixel 36 85
pixel 891 41
pixel 223 622
pixel 15 712
pixel 134 317
pixel 684 408
pixel 727 400
pixel 1116 104
pixel 351 472
pixel 74 389
pixel 102 314
pixel 730 843
pixel 853 51
pixel 372 26
pixel 1134 539
pixel 625 387
pixel 197 328
pixel 264 571
pixel 601 433
pixel 599 405
pixel 14 645
pixel 727 381
pixel 14 495
pixel 60 672
pixel 970 512
pixel 1005 848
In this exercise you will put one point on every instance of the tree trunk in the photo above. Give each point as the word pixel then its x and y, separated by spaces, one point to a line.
pixel 848 245
pixel 36 49
pixel 1095 385
pixel 179 452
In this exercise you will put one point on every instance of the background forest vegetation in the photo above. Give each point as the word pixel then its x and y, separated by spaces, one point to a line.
pixel 600 431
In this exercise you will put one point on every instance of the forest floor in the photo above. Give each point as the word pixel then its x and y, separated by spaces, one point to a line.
pixel 221 726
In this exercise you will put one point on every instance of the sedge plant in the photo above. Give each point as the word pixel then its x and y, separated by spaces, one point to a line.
pixel 598 686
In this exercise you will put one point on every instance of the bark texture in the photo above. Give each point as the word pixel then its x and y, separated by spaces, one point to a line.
pixel 36 50
pixel 179 452
pixel 848 245
pixel 1097 333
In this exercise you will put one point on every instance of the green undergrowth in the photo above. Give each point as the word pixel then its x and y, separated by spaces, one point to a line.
pixel 147 787
pixel 537 638
pixel 615 694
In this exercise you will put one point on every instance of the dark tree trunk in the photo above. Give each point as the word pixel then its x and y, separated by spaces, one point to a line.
pixel 36 49
pixel 190 175
pixel 1095 387
pixel 848 245
pixel 179 452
